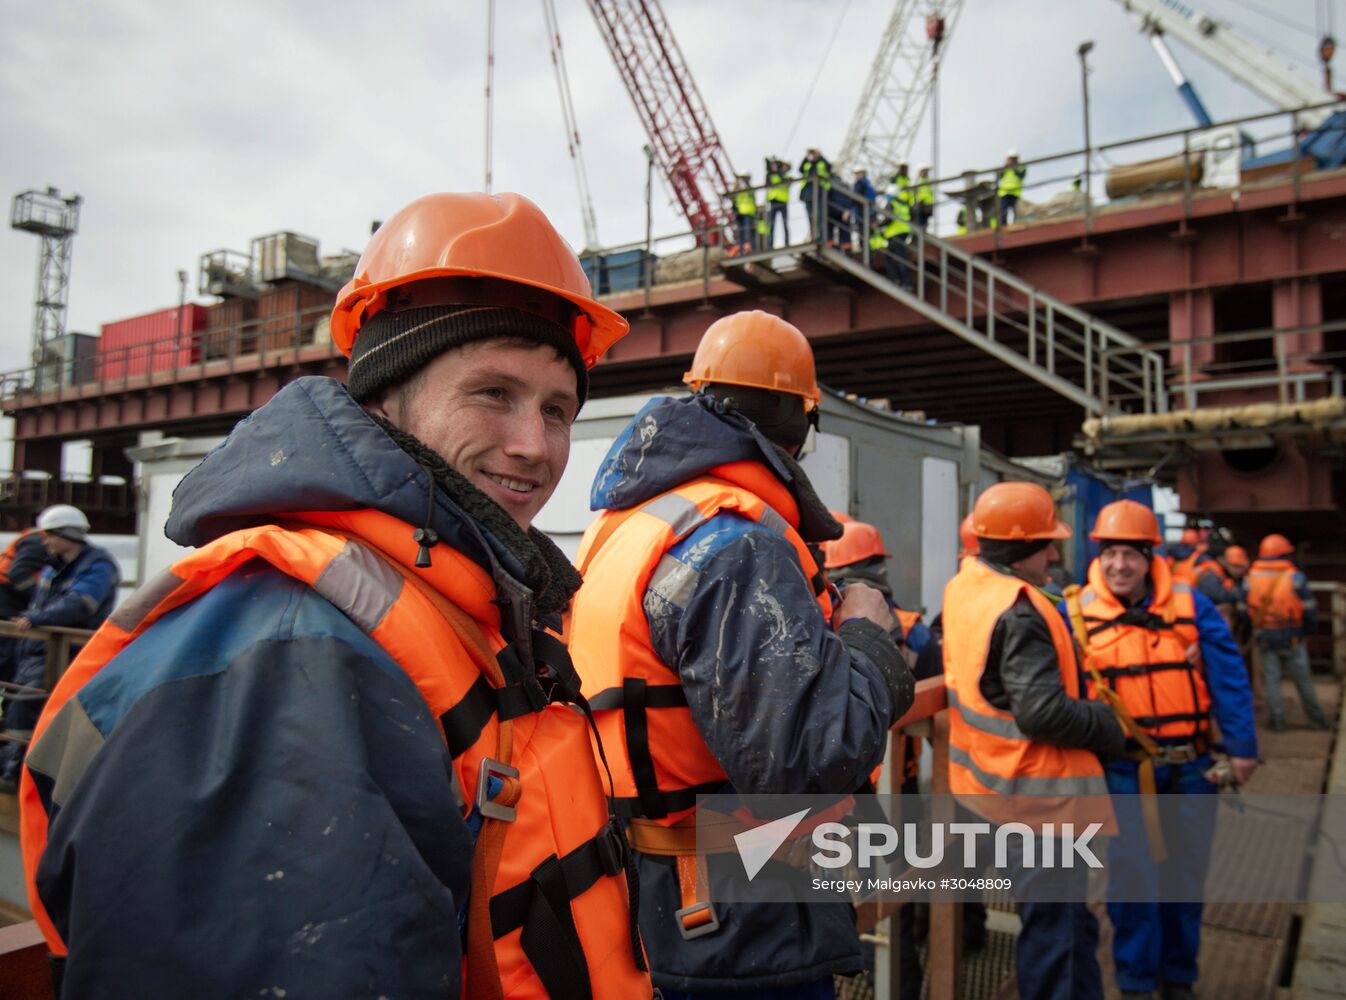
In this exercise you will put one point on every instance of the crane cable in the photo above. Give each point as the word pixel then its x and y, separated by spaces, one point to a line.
pixel 571 125
pixel 817 76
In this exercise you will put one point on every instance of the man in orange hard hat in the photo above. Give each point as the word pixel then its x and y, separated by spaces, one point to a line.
pixel 1019 720
pixel 1217 577
pixel 1186 554
pixel 1283 613
pixel 714 658
pixel 1168 655
pixel 859 556
pixel 342 712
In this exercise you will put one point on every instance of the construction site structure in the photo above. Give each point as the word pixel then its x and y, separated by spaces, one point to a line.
pixel 54 220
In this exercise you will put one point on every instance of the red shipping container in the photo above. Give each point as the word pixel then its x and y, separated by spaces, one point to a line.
pixel 156 342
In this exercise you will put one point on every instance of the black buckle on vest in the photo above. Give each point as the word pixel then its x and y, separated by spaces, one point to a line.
pixel 610 846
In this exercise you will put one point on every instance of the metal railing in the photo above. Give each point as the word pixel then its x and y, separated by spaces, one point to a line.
pixel 61 646
pixel 285 338
pixel 1057 344
pixel 33 492
pixel 1201 367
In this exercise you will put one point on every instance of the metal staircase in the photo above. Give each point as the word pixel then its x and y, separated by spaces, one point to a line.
pixel 1092 363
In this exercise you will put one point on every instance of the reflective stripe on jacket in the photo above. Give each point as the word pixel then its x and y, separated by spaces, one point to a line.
pixel 745 203
pixel 1272 600
pixel 988 753
pixel 658 758
pixel 443 630
pixel 779 189
pixel 1150 654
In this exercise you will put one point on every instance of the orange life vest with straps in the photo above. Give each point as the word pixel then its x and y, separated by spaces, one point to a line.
pixel 1272 601
pixel 659 760
pixel 1150 656
pixel 545 829
pixel 988 754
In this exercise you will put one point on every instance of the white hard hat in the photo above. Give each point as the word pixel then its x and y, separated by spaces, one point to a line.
pixel 923 168
pixel 1013 152
pixel 64 520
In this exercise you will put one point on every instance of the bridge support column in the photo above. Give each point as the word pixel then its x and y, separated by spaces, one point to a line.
pixel 1296 303
pixel 1191 316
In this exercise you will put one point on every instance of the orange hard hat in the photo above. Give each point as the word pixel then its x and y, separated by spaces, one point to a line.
pixel 1126 521
pixel 1017 512
pixel 968 537
pixel 1190 536
pixel 859 541
pixel 503 237
pixel 758 350
pixel 1237 555
pixel 1274 546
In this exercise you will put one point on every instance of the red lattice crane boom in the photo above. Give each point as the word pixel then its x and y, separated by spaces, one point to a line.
pixel 685 146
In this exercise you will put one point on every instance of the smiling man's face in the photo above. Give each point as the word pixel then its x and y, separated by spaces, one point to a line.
pixel 499 412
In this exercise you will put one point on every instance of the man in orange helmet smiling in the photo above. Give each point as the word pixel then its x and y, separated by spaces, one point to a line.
pixel 340 722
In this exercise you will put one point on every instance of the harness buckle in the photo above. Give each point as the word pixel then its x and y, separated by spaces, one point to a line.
pixel 691 922
pixel 1181 753
pixel 491 768
pixel 611 847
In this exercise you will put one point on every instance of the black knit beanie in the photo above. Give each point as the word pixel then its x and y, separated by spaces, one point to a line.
pixel 1146 549
pixel 395 344
pixel 1008 551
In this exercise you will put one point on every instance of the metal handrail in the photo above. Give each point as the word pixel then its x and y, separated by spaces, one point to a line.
pixel 274 340
pixel 1189 379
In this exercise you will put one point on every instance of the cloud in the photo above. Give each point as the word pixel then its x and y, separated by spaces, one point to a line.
pixel 192 126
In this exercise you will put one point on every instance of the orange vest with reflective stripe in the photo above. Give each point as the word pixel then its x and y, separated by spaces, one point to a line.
pixel 560 810
pixel 1153 661
pixel 659 760
pixel 1272 601
pixel 988 753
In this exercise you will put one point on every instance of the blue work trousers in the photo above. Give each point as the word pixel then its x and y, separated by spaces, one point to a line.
pixel 780 211
pixel 1056 956
pixel 1158 942
pixel 1294 661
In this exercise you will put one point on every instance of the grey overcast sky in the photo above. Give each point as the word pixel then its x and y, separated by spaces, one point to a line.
pixel 192 126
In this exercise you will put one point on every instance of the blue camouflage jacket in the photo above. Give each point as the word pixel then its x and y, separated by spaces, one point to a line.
pixel 750 633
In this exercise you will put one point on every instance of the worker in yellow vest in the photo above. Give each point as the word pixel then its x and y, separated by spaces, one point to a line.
pixel 1020 723
pixel 1010 186
pixel 1167 655
pixel 815 191
pixel 745 214
pixel 705 637
pixel 923 197
pixel 1284 613
pixel 890 237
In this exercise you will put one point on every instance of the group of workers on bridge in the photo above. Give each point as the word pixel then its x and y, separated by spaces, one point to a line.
pixel 376 735
pixel 851 216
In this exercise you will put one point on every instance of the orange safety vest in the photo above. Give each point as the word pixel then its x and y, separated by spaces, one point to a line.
pixel 1150 656
pixel 443 629
pixel 659 761
pixel 908 620
pixel 988 753
pixel 7 557
pixel 1272 601
pixel 1184 570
